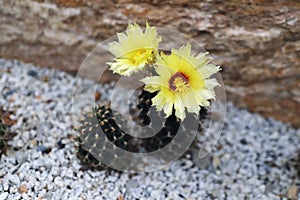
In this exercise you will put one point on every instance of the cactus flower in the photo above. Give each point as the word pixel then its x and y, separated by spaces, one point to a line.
pixel 134 49
pixel 183 82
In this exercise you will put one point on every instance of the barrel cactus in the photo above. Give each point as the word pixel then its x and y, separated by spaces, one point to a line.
pixel 177 83
pixel 91 141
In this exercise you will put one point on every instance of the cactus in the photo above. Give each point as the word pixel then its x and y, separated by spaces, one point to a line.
pixel 86 158
pixel 88 135
pixel 103 117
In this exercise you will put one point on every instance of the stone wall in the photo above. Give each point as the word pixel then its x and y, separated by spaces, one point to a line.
pixel 256 42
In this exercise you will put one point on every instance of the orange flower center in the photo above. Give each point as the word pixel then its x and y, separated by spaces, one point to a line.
pixel 179 82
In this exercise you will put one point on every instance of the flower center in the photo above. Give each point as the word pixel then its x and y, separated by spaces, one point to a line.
pixel 179 82
pixel 140 56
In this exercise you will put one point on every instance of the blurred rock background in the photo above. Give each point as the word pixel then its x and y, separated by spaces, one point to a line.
pixel 257 42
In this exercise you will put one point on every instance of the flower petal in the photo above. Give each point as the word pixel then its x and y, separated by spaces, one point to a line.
pixel 211 83
pixel 190 101
pixel 159 100
pixel 168 108
pixel 179 107
pixel 135 47
pixel 207 70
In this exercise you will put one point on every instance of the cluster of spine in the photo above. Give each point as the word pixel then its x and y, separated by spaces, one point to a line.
pixel 99 128
pixel 5 136
pixel 140 112
pixel 103 130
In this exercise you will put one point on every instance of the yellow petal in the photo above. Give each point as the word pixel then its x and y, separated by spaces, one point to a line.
pixel 154 80
pixel 159 100
pixel 179 108
pixel 211 83
pixel 208 70
pixel 190 102
pixel 168 108
pixel 164 71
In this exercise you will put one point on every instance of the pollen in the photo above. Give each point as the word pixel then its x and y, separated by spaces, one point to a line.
pixel 179 82
pixel 139 56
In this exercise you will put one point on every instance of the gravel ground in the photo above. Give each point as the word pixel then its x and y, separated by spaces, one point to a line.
pixel 252 160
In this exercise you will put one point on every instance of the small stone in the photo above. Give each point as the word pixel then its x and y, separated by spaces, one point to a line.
pixel 131 184
pixel 23 189
pixel 215 193
pixel 45 79
pixel 32 73
pixel 44 149
pixel 293 193
pixel 3 196
pixel 269 188
pixel 14 179
pixel 19 143
pixel 216 161
pixel 58 181
pixel 121 197
pixel 21 157
pixel 5 186
pixel 13 190
pixel 25 196
pixel 201 158
pixel 226 157
pixel 243 141
pixel 69 173
pixel 97 96
pixel 60 144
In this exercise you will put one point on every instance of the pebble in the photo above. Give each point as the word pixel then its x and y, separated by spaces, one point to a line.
pixel 293 192
pixel 13 179
pixel 5 186
pixel 215 193
pixel 58 181
pixel 216 162
pixel 249 155
pixel 3 196
pixel 32 73
pixel 23 189
pixel 131 184
pixel 202 161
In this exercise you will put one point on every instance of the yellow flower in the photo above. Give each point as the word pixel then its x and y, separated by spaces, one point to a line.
pixel 134 50
pixel 183 82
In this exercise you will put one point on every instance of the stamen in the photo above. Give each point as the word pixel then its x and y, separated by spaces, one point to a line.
pixel 139 56
pixel 179 82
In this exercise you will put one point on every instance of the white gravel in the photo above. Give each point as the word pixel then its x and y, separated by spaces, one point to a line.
pixel 252 160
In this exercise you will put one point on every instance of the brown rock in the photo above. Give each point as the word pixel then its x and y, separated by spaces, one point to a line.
pixel 23 189
pixel 45 79
pixel 293 192
pixel 120 197
pixel 5 115
pixel 256 42
pixel 97 96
